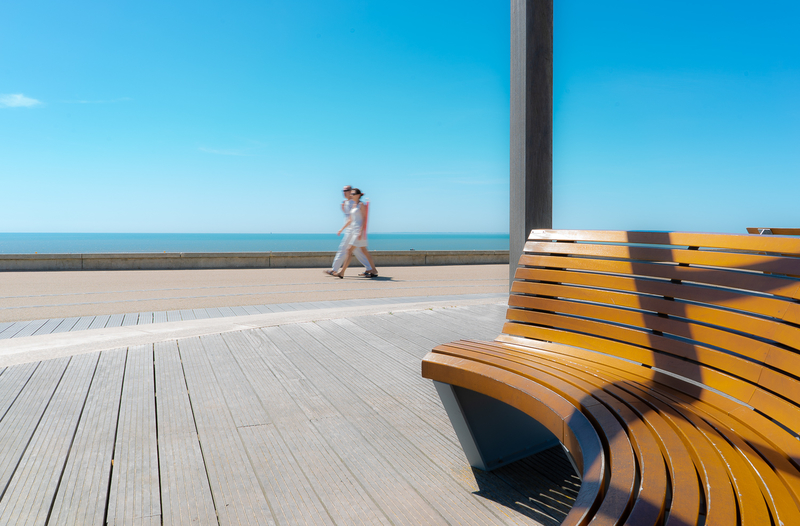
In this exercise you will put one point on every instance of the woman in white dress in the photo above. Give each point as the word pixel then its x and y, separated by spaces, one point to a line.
pixel 357 236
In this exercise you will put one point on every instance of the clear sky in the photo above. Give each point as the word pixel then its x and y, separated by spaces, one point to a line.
pixel 249 116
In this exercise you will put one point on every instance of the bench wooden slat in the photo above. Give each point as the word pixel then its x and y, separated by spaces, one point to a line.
pixel 740 262
pixel 769 328
pixel 603 320
pixel 752 281
pixel 777 244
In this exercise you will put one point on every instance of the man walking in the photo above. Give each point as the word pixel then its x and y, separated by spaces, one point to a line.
pixel 346 206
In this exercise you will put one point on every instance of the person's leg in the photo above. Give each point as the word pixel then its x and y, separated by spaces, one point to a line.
pixel 369 259
pixel 340 254
pixel 346 261
pixel 359 253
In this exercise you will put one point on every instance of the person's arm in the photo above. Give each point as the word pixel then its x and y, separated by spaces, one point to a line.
pixel 346 224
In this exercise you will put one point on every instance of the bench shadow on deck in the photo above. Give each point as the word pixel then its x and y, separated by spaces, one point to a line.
pixel 327 422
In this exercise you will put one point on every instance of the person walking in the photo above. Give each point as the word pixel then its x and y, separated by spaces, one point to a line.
pixel 357 236
pixel 346 207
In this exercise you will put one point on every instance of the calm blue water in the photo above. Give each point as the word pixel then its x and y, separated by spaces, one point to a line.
pixel 105 243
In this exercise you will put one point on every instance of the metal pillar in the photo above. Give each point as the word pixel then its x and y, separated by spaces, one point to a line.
pixel 531 122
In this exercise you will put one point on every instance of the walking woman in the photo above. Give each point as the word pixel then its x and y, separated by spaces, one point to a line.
pixel 357 223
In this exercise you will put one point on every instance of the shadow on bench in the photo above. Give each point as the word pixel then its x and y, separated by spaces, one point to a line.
pixel 665 364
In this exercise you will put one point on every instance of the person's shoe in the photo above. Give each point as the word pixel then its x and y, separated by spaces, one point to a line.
pixel 329 272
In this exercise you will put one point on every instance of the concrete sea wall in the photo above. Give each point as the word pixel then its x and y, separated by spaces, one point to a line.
pixel 228 260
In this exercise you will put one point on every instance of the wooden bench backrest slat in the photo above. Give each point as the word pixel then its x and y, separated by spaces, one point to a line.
pixel 749 281
pixel 718 309
pixel 725 319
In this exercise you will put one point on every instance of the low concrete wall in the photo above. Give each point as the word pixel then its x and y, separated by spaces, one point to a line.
pixel 192 260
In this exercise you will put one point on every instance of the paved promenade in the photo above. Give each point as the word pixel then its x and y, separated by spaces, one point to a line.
pixel 310 412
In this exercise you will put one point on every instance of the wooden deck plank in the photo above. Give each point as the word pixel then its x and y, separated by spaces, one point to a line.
pixel 285 486
pixel 48 327
pixel 66 325
pixel 13 329
pixel 398 499
pixel 239 311
pixel 82 494
pixel 250 309
pixel 226 311
pixel 234 485
pixel 130 319
pixel 30 328
pixel 185 492
pixel 99 322
pixel 115 320
pixel 22 418
pixel 145 318
pixel 389 424
pixel 134 493
pixel 160 317
pixel 12 381
pixel 173 315
pixel 5 325
pixel 83 323
pixel 200 314
pixel 275 379
pixel 35 481
pixel 187 314
pixel 213 313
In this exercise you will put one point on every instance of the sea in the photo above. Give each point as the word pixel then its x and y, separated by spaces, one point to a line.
pixel 70 243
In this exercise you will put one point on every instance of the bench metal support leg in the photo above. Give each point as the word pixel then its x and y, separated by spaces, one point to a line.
pixel 491 432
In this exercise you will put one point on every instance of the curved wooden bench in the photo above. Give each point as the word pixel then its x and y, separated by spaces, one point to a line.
pixel 666 364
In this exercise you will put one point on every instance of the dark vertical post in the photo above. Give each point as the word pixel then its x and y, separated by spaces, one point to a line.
pixel 531 121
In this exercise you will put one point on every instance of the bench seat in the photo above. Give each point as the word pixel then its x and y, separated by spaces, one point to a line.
pixel 666 364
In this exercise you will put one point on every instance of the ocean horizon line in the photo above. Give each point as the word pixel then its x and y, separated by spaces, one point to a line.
pixel 129 242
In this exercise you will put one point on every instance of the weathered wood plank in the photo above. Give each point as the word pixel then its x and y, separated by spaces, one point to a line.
pixel 13 329
pixel 185 491
pixel 115 320
pixel 145 318
pixel 389 429
pixel 22 418
pixel 237 494
pixel 159 317
pixel 173 315
pixel 66 325
pixel 226 311
pixel 277 381
pixel 83 323
pixel 397 498
pixel 200 314
pixel 99 322
pixel 35 481
pixel 82 495
pixel 187 314
pixel 130 319
pixel 48 327
pixel 286 488
pixel 12 381
pixel 30 328
pixel 134 490
pixel 239 311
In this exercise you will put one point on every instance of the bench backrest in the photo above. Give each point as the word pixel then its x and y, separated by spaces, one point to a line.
pixel 702 310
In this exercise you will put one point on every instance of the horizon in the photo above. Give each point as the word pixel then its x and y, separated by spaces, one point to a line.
pixel 249 118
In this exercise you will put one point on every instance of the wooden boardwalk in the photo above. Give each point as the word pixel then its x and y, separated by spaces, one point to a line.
pixel 324 422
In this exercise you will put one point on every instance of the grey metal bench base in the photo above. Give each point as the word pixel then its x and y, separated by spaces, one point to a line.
pixel 492 433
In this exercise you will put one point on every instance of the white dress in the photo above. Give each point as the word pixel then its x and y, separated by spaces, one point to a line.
pixel 354 236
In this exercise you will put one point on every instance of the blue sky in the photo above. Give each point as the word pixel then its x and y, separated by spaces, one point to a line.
pixel 250 116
